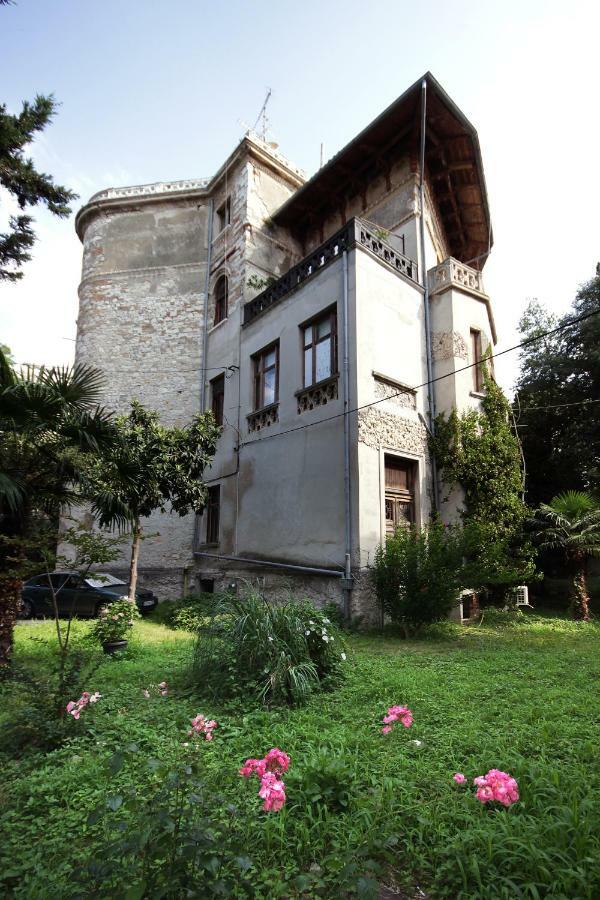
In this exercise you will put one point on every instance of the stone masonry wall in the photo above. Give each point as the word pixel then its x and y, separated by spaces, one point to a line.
pixel 141 316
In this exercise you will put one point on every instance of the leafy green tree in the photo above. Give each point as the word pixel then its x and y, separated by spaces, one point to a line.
pixel 559 433
pixel 49 421
pixel 29 187
pixel 570 524
pixel 150 467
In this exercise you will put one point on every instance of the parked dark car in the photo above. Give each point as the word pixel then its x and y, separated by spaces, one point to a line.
pixel 85 597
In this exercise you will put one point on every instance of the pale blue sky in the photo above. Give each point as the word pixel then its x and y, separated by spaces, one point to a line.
pixel 156 91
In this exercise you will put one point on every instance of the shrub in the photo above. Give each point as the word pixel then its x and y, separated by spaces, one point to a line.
pixel 187 613
pixel 175 835
pixel 279 654
pixel 326 780
pixel 35 702
pixel 418 573
pixel 115 621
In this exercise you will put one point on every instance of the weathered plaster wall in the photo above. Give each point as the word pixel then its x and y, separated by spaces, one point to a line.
pixel 289 493
pixel 390 329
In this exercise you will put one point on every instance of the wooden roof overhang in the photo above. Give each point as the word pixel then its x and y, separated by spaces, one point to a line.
pixel 454 171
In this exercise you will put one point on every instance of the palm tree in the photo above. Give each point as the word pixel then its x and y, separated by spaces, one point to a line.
pixel 570 523
pixel 49 420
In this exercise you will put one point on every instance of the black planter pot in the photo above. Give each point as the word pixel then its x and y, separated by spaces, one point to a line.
pixel 114 646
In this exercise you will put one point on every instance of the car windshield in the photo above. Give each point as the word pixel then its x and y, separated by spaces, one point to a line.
pixel 101 579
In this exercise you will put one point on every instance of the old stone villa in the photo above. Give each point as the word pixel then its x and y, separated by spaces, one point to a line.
pixel 296 311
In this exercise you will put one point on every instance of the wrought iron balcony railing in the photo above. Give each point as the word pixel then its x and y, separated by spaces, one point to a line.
pixel 354 233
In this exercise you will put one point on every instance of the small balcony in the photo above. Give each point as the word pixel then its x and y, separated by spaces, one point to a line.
pixel 355 233
pixel 452 273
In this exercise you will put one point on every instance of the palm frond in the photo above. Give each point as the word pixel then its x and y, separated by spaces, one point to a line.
pixel 11 492
pixel 79 385
pixel 111 511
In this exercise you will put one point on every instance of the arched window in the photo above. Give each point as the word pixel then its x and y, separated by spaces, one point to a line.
pixel 221 297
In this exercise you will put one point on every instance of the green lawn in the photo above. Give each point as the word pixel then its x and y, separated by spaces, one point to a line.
pixel 523 699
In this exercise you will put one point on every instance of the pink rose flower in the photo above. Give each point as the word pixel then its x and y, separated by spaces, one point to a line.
pixel 397 714
pixel 459 778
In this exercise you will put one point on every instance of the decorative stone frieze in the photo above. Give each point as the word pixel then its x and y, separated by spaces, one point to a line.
pixel 397 394
pixel 448 344
pixel 262 418
pixel 317 395
pixel 377 428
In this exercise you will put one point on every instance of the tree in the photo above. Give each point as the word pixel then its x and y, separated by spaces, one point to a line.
pixel 29 187
pixel 49 421
pixel 150 467
pixel 560 433
pixel 570 523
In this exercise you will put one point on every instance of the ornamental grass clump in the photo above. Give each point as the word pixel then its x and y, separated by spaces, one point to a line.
pixel 115 621
pixel 277 654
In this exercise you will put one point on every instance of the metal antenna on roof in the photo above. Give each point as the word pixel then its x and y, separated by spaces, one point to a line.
pixel 263 115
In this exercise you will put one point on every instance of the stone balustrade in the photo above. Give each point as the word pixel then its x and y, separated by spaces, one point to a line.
pixel 452 273
pixel 145 190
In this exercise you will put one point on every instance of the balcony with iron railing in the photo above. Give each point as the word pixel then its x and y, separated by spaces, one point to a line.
pixel 355 233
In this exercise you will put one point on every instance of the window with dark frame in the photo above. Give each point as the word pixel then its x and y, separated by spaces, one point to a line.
pixel 217 398
pixel 266 376
pixel 400 479
pixel 221 299
pixel 213 510
pixel 224 215
pixel 319 342
pixel 476 359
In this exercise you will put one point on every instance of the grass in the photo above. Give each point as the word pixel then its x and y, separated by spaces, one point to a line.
pixel 523 698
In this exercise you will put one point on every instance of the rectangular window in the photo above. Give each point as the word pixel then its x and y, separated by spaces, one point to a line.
pixel 319 348
pixel 266 376
pixel 476 359
pixel 213 510
pixel 400 477
pixel 217 398
pixel 224 215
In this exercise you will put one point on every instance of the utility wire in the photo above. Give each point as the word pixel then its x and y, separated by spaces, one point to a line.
pixel 525 343
pixel 526 409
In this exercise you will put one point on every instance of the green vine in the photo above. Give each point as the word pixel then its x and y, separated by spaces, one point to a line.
pixel 479 451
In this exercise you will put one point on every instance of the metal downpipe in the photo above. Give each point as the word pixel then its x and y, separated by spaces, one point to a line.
pixel 425 280
pixel 206 291
pixel 346 395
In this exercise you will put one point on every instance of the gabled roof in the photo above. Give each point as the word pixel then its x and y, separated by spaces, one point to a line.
pixel 453 165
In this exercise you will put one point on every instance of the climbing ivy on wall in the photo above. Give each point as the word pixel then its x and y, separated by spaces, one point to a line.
pixel 479 451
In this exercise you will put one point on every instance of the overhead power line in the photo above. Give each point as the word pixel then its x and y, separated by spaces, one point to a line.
pixel 527 409
pixel 525 343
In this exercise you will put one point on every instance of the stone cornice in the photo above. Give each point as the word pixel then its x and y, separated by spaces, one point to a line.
pixel 188 189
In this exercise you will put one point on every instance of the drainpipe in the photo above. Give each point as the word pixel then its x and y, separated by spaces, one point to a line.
pixel 269 564
pixel 346 390
pixel 425 281
pixel 206 289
